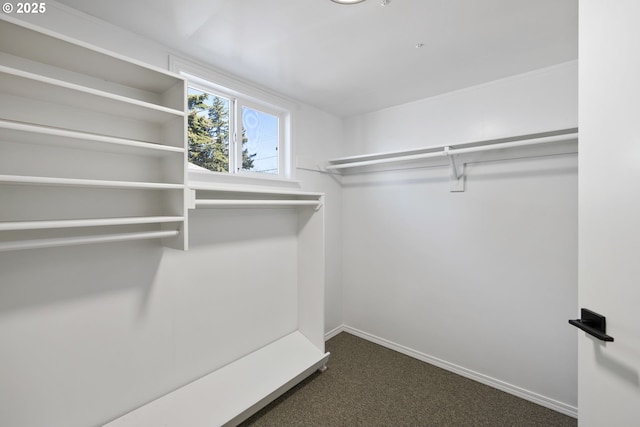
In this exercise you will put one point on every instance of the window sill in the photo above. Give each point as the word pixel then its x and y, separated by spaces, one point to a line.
pixel 204 178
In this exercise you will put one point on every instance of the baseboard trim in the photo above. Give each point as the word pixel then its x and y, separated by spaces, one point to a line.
pixel 555 405
pixel 332 333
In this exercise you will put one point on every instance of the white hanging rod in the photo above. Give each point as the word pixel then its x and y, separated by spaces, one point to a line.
pixel 83 240
pixel 448 151
pixel 75 223
pixel 74 182
pixel 252 203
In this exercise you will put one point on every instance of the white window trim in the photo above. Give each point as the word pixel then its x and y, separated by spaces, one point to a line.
pixel 207 78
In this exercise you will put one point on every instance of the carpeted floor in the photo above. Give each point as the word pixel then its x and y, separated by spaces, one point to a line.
pixel 369 385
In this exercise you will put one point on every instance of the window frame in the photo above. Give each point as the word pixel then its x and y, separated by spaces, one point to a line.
pixel 240 94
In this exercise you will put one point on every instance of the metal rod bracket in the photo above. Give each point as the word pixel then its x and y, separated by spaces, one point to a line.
pixel 456 178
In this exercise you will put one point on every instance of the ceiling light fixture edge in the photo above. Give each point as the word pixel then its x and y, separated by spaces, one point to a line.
pixel 347 1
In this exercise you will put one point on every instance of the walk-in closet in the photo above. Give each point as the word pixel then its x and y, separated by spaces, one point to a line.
pixel 318 212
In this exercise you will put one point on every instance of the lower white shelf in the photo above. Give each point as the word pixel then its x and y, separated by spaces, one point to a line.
pixel 233 393
pixel 85 240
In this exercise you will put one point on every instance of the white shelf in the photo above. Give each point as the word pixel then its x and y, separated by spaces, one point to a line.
pixel 452 149
pixel 71 182
pixel 66 104
pixel 241 189
pixel 38 134
pixel 231 394
pixel 84 240
pixel 25 84
pixel 94 222
pixel 227 196
pixel 40 45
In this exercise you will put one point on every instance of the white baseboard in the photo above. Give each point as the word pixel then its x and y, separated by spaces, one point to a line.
pixel 332 333
pixel 547 402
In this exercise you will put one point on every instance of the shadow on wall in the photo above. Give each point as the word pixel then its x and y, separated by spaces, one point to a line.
pixel 622 370
pixel 39 277
pixel 236 226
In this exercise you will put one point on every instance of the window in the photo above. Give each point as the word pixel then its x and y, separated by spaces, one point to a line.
pixel 208 130
pixel 259 141
pixel 232 133
pixel 228 134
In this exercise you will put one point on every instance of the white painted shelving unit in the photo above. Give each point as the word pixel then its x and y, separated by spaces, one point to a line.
pixel 234 392
pixel 94 150
pixel 93 144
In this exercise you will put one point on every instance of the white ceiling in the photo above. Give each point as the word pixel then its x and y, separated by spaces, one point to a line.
pixel 350 59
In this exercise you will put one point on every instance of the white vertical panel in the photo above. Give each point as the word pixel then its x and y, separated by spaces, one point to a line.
pixel 318 135
pixel 311 276
pixel 237 286
pixel 609 374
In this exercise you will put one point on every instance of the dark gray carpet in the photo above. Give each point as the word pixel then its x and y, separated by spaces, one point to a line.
pixel 369 385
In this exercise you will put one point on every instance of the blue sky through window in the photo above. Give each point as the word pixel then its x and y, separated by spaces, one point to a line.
pixel 261 131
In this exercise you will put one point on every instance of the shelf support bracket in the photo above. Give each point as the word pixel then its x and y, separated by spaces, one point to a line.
pixel 191 199
pixel 456 178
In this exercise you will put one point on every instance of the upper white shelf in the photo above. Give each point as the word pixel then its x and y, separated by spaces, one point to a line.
pixel 452 149
pixel 43 46
pixel 64 103
pixel 46 135
pixel 25 84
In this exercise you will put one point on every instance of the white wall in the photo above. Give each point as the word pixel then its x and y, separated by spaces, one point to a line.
pixel 533 102
pixel 482 281
pixel 91 332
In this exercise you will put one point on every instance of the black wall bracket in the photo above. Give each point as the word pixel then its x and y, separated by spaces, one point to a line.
pixel 593 324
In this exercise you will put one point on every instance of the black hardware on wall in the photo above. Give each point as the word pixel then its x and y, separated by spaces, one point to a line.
pixel 593 324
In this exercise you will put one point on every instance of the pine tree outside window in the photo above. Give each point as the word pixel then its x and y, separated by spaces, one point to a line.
pixel 233 135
